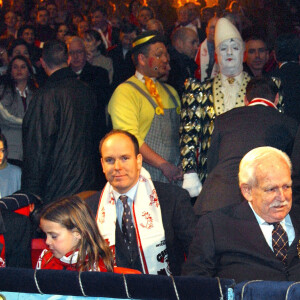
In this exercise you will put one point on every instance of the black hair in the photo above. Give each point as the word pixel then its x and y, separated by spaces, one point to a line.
pixel 55 53
pixel 14 44
pixel 3 139
pixel 287 47
pixel 144 47
pixel 261 88
pixel 22 29
pixel 9 83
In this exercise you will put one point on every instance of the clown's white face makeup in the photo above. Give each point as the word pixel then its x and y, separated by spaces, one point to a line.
pixel 230 57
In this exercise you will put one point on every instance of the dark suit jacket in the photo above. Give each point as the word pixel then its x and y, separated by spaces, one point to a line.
pixel 228 243
pixel 17 239
pixel 123 67
pixel 97 78
pixel 182 67
pixel 296 168
pixel 289 75
pixel 237 132
pixel 178 220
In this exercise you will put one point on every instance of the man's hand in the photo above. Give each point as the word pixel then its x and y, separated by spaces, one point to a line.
pixel 172 172
pixel 192 184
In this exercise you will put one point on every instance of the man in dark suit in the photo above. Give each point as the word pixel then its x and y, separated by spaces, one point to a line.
pixel 238 131
pixel 184 47
pixel 97 79
pixel 121 55
pixel 241 241
pixel 155 235
pixel 287 54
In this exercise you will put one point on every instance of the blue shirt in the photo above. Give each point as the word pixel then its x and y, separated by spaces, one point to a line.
pixel 267 229
pixel 10 180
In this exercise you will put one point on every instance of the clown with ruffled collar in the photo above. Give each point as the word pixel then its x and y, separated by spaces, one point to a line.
pixel 201 102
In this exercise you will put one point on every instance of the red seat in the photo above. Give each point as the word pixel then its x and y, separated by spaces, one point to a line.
pixel 37 246
pixel 120 270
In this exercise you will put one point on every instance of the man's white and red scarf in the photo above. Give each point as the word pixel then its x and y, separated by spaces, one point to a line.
pixel 147 220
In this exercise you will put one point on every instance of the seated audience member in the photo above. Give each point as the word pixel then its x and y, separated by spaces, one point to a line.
pixel 27 33
pixel 77 17
pixel 163 218
pixel 73 238
pixel 3 57
pixel 144 15
pixel 16 229
pixel 18 47
pixel 62 32
pixel 182 57
pixel 256 54
pixel 10 175
pixel 82 27
pixel 43 30
pixel 95 49
pixel 236 132
pixel 16 93
pixel 258 238
pixel 154 24
pixel 121 55
pixel 100 23
pixel 194 20
pixel 10 21
pixel 53 15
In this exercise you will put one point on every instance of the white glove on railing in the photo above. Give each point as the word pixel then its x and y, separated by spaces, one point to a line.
pixel 192 184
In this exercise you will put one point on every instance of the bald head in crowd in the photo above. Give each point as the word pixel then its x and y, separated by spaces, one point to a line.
pixel 185 40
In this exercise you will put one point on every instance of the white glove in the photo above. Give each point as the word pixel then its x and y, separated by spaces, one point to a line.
pixel 192 184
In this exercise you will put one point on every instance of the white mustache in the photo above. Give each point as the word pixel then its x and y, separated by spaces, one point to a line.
pixel 279 203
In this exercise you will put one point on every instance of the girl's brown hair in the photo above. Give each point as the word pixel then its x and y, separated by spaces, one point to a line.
pixel 74 214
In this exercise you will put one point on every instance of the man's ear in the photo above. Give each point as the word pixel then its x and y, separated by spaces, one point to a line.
pixel 246 191
pixel 142 59
pixel 179 45
pixel 139 159
pixel 245 56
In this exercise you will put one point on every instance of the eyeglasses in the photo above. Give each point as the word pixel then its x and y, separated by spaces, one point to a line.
pixel 2 151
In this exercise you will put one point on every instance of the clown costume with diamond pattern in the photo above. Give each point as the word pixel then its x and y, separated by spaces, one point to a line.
pixel 201 103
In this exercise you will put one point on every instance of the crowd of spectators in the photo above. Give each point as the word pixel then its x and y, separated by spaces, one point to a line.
pixel 96 43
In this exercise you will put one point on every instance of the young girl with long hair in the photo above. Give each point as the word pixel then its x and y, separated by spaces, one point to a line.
pixel 73 238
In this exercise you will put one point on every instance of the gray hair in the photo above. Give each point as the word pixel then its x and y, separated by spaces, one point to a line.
pixel 75 38
pixel 254 158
